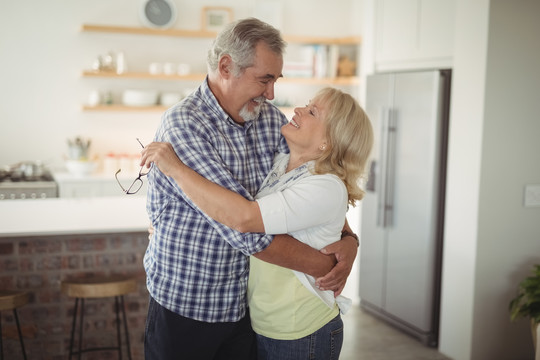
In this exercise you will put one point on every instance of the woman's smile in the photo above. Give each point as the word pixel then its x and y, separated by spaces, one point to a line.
pixel 294 123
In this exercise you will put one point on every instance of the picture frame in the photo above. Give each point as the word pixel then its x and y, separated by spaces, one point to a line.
pixel 214 18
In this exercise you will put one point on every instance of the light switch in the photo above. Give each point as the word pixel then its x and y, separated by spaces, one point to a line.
pixel 532 195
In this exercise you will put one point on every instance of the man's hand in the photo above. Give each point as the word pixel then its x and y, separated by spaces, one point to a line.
pixel 345 252
pixel 163 156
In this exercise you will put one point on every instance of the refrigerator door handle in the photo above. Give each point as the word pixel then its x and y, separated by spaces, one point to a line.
pixel 390 168
pixel 384 115
pixel 385 205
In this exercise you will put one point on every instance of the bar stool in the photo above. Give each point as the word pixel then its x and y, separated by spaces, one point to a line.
pixel 11 300
pixel 99 287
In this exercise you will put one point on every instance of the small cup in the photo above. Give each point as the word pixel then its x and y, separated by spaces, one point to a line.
pixel 169 99
pixel 183 69
pixel 169 68
pixel 155 68
pixel 110 163
pixel 94 98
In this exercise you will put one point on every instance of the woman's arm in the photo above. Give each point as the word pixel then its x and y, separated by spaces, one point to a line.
pixel 221 204
pixel 235 211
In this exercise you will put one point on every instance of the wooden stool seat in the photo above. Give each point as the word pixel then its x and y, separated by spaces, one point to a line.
pixel 99 287
pixel 11 300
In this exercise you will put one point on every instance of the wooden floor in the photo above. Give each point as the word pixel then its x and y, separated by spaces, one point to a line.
pixel 366 337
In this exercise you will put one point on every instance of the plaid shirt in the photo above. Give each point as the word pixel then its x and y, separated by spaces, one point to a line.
pixel 195 266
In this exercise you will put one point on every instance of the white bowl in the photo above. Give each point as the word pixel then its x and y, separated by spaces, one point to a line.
pixel 169 99
pixel 80 168
pixel 139 97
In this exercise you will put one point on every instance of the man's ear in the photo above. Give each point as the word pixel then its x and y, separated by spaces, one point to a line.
pixel 225 66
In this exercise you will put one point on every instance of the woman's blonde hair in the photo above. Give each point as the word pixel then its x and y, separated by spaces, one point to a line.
pixel 349 138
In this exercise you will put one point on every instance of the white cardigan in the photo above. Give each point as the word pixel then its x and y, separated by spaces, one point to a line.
pixel 310 208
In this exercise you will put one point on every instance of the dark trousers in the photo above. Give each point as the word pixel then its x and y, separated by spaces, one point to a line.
pixel 171 336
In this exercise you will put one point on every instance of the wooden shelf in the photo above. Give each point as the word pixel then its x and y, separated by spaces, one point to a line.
pixel 349 80
pixel 291 39
pixel 342 80
pixel 148 31
pixel 137 75
pixel 349 40
pixel 119 107
pixel 153 108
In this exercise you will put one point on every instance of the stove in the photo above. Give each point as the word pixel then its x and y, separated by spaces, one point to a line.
pixel 19 183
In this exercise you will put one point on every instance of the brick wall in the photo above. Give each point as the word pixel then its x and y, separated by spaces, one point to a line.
pixel 39 264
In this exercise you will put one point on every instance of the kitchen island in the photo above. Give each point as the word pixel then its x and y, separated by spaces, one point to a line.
pixel 59 216
pixel 45 241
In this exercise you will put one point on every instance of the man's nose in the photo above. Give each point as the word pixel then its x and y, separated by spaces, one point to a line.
pixel 269 91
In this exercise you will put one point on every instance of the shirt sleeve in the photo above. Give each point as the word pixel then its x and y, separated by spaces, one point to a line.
pixel 303 205
pixel 193 146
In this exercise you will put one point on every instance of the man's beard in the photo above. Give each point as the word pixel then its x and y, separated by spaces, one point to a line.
pixel 248 115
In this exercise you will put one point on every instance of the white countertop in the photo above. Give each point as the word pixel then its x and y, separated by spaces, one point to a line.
pixel 94 177
pixel 61 216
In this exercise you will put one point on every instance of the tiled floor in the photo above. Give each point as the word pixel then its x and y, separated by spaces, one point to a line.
pixel 368 338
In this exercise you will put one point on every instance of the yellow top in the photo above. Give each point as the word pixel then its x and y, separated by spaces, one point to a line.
pixel 281 307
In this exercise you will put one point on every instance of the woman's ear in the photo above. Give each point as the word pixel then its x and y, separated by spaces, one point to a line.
pixel 225 66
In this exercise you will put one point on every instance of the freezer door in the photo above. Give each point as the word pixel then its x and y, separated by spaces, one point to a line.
pixel 373 244
pixel 412 237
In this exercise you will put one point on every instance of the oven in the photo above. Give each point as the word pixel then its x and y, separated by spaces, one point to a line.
pixel 27 181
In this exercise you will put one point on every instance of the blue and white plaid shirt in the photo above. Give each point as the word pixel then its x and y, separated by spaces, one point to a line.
pixel 195 266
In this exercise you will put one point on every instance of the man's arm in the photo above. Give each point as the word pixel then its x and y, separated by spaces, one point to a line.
pixel 331 266
pixel 221 204
pixel 189 140
pixel 345 252
pixel 288 252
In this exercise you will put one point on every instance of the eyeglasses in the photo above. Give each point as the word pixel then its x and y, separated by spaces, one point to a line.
pixel 137 184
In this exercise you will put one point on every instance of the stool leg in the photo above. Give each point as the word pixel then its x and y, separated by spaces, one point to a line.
pixel 74 322
pixel 125 327
pixel 1 345
pixel 20 333
pixel 81 327
pixel 118 337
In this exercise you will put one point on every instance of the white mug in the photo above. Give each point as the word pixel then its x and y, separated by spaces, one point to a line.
pixel 155 68
pixel 169 68
pixel 94 98
pixel 183 69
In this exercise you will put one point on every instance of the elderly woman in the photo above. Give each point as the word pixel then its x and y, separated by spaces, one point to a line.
pixel 306 194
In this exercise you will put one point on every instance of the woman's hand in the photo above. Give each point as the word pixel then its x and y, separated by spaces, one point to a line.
pixel 163 156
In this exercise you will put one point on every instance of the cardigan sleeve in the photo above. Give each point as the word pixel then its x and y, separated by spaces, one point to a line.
pixel 305 204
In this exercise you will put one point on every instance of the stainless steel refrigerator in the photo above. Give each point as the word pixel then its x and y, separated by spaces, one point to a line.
pixel 403 209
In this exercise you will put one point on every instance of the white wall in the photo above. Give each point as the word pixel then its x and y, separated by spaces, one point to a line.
pixel 491 240
pixel 463 179
pixel 44 53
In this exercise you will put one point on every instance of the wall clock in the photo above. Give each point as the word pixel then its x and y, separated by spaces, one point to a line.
pixel 160 14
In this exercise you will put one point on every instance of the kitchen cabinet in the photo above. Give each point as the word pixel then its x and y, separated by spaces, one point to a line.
pixel 414 34
pixel 334 43
pixel 95 185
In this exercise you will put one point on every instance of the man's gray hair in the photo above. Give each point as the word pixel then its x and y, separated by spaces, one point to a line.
pixel 239 40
